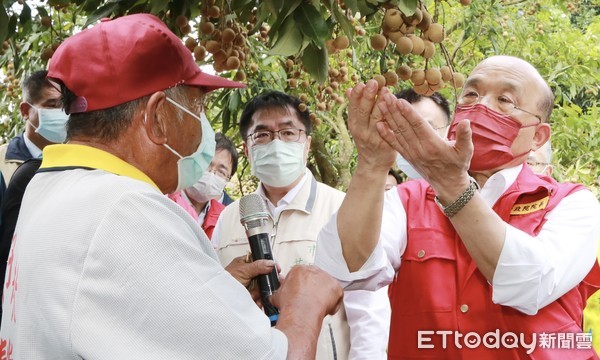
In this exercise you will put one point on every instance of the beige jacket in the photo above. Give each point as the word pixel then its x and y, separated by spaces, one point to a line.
pixel 295 236
pixel 7 167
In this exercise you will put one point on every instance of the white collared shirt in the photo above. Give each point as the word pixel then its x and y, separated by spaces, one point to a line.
pixel 275 210
pixel 532 271
pixel 35 151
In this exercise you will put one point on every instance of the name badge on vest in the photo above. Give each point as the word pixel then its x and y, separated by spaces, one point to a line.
pixel 522 209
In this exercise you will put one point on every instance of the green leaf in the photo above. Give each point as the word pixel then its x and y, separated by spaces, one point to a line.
pixel 4 24
pixel 42 11
pixel 289 40
pixel 12 25
pixel 25 14
pixel 315 61
pixel 105 11
pixel 90 5
pixel 366 8
pixel 352 5
pixel 344 23
pixel 238 4
pixel 407 6
pixel 287 9
pixel 314 26
pixel 158 6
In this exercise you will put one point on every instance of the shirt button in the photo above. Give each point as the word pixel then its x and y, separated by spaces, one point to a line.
pixel 421 253
pixel 464 308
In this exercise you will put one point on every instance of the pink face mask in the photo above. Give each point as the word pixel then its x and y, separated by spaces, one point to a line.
pixel 493 135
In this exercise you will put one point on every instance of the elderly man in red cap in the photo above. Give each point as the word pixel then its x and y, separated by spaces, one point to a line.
pixel 103 265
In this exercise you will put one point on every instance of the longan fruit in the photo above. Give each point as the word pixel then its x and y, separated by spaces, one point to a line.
pixel 227 36
pixel 341 42
pixel 458 80
pixel 302 107
pixel 428 50
pixel 186 29
pixel 380 81
pixel 240 75
pixel 200 53
pixel 392 19
pixel 404 45
pixel 446 73
pixel 418 45
pixel 214 12
pixel 232 63
pixel 404 72
pixel 433 76
pixel 378 42
pixel 417 77
pixel 46 21
pixel 391 78
pixel 191 43
pixel 465 2
pixel 207 28
pixel 421 89
pixel 212 46
pixel 181 21
pixel 435 33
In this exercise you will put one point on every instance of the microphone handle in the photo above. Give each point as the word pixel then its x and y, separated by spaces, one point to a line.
pixel 268 283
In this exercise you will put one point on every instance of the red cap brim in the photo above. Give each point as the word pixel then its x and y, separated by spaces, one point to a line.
pixel 212 82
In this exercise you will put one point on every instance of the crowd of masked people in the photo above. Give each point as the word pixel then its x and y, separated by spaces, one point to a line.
pixel 121 241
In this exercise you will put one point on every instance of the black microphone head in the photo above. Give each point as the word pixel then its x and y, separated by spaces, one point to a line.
pixel 252 206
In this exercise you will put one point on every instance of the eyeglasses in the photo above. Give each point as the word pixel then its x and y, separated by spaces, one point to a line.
pixel 503 104
pixel 219 172
pixel 262 137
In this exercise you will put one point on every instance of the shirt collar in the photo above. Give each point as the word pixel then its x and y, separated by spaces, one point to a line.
pixel 498 183
pixel 35 151
pixel 75 155
pixel 275 209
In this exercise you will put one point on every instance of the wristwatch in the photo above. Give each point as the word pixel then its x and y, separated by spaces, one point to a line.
pixel 462 200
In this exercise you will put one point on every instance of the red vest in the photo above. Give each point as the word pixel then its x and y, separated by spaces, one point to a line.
pixel 439 288
pixel 210 220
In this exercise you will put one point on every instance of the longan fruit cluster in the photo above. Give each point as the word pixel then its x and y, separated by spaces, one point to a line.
pixel 414 35
pixel 225 40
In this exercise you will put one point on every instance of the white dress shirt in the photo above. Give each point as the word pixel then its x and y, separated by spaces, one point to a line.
pixel 532 271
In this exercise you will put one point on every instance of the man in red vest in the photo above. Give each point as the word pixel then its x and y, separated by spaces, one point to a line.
pixel 487 260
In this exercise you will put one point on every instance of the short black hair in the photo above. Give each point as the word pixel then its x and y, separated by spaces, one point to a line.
pixel 224 143
pixel 32 86
pixel 412 97
pixel 272 99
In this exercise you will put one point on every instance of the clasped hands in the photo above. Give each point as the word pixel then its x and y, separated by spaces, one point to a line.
pixel 383 125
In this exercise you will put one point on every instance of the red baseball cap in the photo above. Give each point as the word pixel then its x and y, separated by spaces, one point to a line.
pixel 121 60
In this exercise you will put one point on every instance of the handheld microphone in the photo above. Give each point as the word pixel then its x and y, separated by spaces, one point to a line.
pixel 254 216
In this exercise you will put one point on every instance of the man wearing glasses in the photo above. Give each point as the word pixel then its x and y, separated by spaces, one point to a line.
pixel 480 250
pixel 203 199
pixel 277 139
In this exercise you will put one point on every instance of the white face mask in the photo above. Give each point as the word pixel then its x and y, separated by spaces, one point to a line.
pixel 52 124
pixel 278 163
pixel 210 186
pixel 191 168
pixel 407 168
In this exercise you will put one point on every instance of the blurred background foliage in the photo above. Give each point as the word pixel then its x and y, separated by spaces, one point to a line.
pixel 318 49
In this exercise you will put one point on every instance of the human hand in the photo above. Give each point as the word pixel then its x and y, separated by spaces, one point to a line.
pixel 444 164
pixel 245 272
pixel 307 289
pixel 363 116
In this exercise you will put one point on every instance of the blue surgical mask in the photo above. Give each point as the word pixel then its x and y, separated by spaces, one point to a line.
pixel 278 163
pixel 407 168
pixel 191 168
pixel 52 124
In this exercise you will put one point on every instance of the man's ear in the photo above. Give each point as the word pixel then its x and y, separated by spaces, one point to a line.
pixel 542 134
pixel 245 147
pixel 24 109
pixel 153 122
